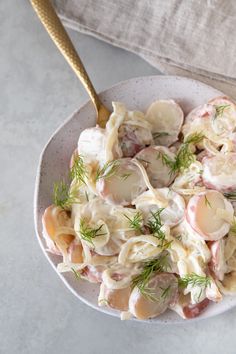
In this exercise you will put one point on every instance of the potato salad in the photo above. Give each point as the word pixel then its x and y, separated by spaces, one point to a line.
pixel 147 209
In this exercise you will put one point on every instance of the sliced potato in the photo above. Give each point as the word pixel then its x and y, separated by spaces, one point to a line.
pixel 166 118
pixel 123 185
pixel 164 290
pixel 115 298
pixel 199 120
pixel 152 158
pixel 91 144
pixel 203 112
pixel 171 215
pixel 219 172
pixel 185 309
pixel 224 121
pixel 133 138
pixel 202 214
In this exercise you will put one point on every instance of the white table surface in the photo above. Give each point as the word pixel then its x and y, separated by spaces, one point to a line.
pixel 37 313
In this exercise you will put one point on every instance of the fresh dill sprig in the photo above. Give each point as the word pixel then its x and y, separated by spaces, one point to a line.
pixel 87 233
pixel 178 237
pixel 155 224
pixel 136 222
pixel 157 135
pixel 166 160
pixel 78 170
pixel 108 170
pixel 184 157
pixel 231 195
pixel 142 160
pixel 165 292
pixel 157 265
pixel 124 176
pixel 220 110
pixel 207 203
pixel 76 273
pixel 194 280
pixel 63 196
pixel 86 196
pixel 233 227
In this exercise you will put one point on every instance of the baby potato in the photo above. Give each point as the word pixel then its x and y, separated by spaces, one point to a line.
pixel 164 291
pixel 202 214
pixel 152 158
pixel 121 183
pixel 219 172
pixel 166 118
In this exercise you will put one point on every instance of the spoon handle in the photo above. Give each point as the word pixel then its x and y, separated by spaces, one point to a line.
pixel 57 32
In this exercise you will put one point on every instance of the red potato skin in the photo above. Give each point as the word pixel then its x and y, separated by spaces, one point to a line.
pixel 198 112
pixel 192 311
pixel 94 276
pixel 209 185
pixel 192 209
pixel 223 98
pixel 126 140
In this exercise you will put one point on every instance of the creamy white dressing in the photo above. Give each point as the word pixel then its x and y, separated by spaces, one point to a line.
pixel 111 218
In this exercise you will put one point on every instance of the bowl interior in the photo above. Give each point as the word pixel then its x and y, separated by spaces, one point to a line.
pixel 136 94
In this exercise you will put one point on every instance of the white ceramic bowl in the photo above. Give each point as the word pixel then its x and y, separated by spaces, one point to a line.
pixel 136 94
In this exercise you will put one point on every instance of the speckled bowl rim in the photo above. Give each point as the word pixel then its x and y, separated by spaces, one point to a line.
pixel 159 320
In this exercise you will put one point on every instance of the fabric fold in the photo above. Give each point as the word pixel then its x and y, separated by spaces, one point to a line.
pixel 179 37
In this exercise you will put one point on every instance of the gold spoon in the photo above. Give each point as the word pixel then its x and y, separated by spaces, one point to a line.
pixel 57 32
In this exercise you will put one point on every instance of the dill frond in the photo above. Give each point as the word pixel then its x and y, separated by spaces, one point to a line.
pixel 63 196
pixel 157 135
pixel 87 233
pixel 136 222
pixel 231 195
pixel 233 227
pixel 207 203
pixel 194 280
pixel 220 110
pixel 76 273
pixel 157 265
pixel 124 176
pixel 142 160
pixel 165 292
pixel 184 157
pixel 108 170
pixel 78 170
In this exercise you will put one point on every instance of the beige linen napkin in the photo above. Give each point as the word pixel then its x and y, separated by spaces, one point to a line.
pixel 194 38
